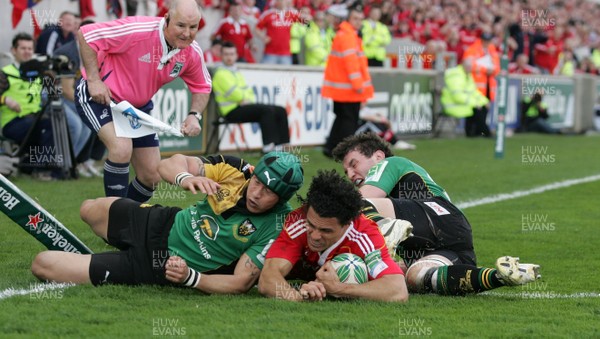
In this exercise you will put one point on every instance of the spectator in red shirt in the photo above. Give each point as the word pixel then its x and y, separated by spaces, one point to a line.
pixel 469 32
pixel 274 28
pixel 587 66
pixel 522 66
pixel 403 30
pixel 213 55
pixel 546 54
pixel 235 29
pixel 454 44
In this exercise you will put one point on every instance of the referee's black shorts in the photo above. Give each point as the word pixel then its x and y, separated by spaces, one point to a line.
pixel 141 233
pixel 439 227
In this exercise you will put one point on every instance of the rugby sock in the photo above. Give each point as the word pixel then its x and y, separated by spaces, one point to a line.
pixel 370 211
pixel 138 191
pixel 461 280
pixel 116 179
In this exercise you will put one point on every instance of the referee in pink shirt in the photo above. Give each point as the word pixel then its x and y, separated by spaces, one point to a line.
pixel 131 59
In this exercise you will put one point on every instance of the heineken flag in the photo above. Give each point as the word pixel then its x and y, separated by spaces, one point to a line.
pixel 35 220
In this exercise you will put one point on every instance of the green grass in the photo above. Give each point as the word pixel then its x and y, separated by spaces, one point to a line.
pixel 566 249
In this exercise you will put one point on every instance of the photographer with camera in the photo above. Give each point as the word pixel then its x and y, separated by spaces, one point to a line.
pixel 534 114
pixel 21 103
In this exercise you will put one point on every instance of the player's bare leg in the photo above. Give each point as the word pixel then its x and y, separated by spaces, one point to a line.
pixel 61 266
pixel 416 273
pixel 95 213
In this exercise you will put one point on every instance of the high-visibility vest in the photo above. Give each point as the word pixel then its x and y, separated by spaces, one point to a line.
pixel 532 110
pixel 479 73
pixel 460 95
pixel 596 57
pixel 317 45
pixel 375 39
pixel 230 89
pixel 27 93
pixel 297 32
pixel 347 76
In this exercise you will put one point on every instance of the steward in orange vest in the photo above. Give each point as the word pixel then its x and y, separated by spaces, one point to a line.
pixel 347 76
pixel 486 65
pixel 347 80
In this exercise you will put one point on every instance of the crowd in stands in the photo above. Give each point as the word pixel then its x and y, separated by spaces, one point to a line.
pixel 554 36
pixel 560 37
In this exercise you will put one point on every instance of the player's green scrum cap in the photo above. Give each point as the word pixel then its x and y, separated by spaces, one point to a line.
pixel 281 172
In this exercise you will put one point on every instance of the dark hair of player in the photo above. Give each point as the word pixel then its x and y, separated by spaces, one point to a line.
pixel 332 196
pixel 366 143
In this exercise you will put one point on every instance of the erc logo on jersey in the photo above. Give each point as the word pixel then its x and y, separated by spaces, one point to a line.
pixel 176 70
pixel 209 227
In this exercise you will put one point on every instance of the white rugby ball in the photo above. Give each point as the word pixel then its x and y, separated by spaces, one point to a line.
pixel 350 268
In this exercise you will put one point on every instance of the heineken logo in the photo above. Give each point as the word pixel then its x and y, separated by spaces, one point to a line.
pixel 9 201
pixel 34 220
pixel 375 263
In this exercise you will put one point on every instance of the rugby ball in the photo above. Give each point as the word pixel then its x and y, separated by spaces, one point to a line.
pixel 350 268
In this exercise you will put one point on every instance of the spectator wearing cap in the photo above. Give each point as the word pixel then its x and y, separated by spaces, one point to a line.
pixel 347 80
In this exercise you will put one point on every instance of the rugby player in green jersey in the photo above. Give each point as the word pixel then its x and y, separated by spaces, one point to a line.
pixel 439 256
pixel 217 245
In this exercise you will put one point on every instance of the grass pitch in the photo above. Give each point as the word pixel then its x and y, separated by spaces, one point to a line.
pixel 556 229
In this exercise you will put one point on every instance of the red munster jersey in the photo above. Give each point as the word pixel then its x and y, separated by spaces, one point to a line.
pixel 362 238
pixel 238 32
pixel 277 24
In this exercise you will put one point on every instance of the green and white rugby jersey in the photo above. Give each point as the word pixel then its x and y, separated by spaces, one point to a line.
pixel 207 241
pixel 402 178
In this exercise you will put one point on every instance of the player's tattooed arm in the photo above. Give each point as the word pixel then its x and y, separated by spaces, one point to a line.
pixel 242 279
pixel 187 172
pixel 252 268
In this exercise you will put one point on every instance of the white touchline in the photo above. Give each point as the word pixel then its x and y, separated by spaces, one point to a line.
pixel 518 194
pixel 543 295
pixel 38 288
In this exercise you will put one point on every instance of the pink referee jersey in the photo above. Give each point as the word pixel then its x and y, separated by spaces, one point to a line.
pixel 134 60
